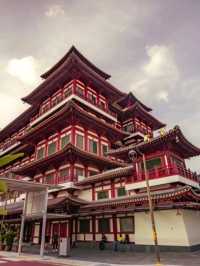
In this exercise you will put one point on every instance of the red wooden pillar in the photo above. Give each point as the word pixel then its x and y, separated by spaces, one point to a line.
pixel 86 139
pixel 112 189
pixel 99 145
pixel 70 230
pixel 74 87
pixel 86 171
pixel 73 134
pixel 56 178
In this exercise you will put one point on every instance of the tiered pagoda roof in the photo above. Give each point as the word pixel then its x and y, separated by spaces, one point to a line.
pixel 137 110
pixel 72 65
pixel 174 138
pixel 70 152
pixel 73 53
pixel 173 198
pixel 16 208
pixel 71 111
pixel 129 100
pixel 107 175
pixel 166 199
pixel 21 121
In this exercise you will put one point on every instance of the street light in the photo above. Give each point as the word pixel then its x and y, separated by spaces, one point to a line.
pixel 133 156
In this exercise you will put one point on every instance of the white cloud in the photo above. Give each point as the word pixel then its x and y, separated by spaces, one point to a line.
pixel 24 69
pixel 10 108
pixel 158 76
pixel 54 11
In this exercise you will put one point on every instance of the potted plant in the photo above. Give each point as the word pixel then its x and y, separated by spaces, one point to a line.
pixel 9 239
pixel 2 241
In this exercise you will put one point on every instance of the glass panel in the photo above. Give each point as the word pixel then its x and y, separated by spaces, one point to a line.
pixel 102 195
pixel 128 128
pixel 84 226
pixel 49 178
pixel 79 91
pixel 177 161
pixel 121 191
pixel 91 98
pixel 64 172
pixel 79 141
pixel 51 148
pixel 79 172
pixel 93 146
pixel 102 105
pixel 104 225
pixel 127 225
pixel 65 140
pixel 153 163
pixel 40 153
pixel 104 150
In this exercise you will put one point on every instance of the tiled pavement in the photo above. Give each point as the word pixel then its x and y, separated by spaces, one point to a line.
pixel 85 257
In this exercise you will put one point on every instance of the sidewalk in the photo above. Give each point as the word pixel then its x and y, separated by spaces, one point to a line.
pixel 109 258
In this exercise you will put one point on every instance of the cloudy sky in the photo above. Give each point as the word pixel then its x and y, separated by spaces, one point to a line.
pixel 149 47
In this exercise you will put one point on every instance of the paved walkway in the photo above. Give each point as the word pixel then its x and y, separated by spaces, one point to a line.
pixel 83 257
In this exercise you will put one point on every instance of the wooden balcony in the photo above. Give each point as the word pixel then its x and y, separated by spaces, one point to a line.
pixel 67 94
pixel 160 172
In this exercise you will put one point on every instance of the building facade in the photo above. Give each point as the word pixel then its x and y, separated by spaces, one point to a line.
pixel 77 134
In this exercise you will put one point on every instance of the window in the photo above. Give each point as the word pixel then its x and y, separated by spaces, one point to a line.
pixel 79 141
pixel 104 149
pixel 177 161
pixel 84 226
pixel 53 102
pixel 51 148
pixel 79 172
pixel 64 172
pixel 92 146
pixel 127 225
pixel 63 175
pixel 64 141
pixel 79 91
pixel 121 191
pixel 153 163
pixel 104 225
pixel 40 153
pixel 102 105
pixel 92 98
pixel 102 194
pixel 128 128
pixel 67 92
pixel 50 178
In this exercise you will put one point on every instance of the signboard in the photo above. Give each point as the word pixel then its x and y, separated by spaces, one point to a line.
pixel 35 203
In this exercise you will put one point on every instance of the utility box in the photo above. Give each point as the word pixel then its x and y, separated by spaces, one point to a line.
pixel 64 246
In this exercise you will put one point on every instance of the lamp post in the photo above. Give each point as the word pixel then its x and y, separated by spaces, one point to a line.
pixel 133 156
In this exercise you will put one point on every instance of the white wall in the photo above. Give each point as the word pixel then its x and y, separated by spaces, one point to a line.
pixel 86 194
pixel 170 228
pixel 192 225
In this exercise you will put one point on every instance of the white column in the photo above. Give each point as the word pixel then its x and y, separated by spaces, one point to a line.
pixel 22 224
pixel 44 224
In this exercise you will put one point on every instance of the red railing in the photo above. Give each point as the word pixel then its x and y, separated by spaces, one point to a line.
pixel 69 90
pixel 98 105
pixel 63 179
pixel 164 172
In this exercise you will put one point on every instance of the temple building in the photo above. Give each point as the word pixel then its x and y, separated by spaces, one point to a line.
pixel 77 134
